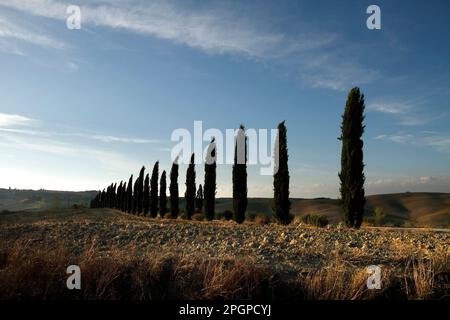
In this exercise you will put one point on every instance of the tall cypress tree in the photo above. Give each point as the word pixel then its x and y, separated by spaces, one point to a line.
pixel 154 191
pixel 240 176
pixel 199 199
pixel 189 195
pixel 119 195
pixel 282 204
pixel 140 190
pixel 146 195
pixel 352 166
pixel 162 195
pixel 135 196
pixel 209 190
pixel 123 204
pixel 130 195
pixel 173 188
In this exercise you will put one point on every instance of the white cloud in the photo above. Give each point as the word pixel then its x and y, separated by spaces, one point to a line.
pixel 437 141
pixel 12 30
pixel 218 30
pixel 9 120
pixel 382 185
pixel 389 107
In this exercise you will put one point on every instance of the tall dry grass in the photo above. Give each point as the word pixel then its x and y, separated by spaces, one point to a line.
pixel 28 273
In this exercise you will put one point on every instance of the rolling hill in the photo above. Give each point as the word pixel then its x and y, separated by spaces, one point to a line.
pixel 401 209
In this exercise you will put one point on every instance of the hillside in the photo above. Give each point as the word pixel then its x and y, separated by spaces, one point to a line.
pixel 401 209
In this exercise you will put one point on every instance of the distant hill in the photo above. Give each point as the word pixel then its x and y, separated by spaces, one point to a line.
pixel 37 200
pixel 401 209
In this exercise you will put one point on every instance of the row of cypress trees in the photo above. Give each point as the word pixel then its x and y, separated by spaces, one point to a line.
pixel 145 197
pixel 142 196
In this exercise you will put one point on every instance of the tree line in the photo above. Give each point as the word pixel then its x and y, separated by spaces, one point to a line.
pixel 148 195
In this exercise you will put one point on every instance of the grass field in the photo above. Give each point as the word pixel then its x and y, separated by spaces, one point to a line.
pixel 124 256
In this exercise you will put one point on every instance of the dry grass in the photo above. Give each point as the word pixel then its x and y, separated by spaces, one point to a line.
pixel 26 273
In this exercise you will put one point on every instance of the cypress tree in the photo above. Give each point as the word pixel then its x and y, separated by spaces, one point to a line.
pixel 140 194
pixel 209 191
pixel 173 188
pixel 119 194
pixel 199 199
pixel 282 204
pixel 189 195
pixel 135 196
pixel 240 176
pixel 114 195
pixel 162 195
pixel 146 195
pixel 123 204
pixel 129 201
pixel 154 191
pixel 352 167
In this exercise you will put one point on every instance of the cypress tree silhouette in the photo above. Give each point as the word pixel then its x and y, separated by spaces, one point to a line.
pixel 114 195
pixel 173 188
pixel 123 202
pixel 140 194
pixel 199 199
pixel 154 191
pixel 119 196
pixel 135 196
pixel 282 204
pixel 240 176
pixel 189 195
pixel 146 195
pixel 162 195
pixel 129 201
pixel 352 167
pixel 209 190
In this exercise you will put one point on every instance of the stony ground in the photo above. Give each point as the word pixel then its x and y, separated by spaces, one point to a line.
pixel 295 248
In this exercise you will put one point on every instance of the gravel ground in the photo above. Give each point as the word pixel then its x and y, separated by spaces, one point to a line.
pixel 290 248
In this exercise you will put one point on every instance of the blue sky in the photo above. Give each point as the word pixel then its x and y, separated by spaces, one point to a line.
pixel 82 108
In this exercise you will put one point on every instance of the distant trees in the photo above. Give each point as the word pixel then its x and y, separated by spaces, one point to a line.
pixel 209 191
pixel 129 200
pixel 282 204
pixel 123 197
pixel 352 167
pixel 154 191
pixel 240 176
pixel 173 188
pixel 199 199
pixel 140 191
pixel 189 195
pixel 162 195
pixel 146 196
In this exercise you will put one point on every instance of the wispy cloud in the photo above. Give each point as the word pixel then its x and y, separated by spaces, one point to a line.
pixel 435 140
pixel 390 107
pixel 218 30
pixel 412 183
pixel 9 120
pixel 13 30
pixel 14 123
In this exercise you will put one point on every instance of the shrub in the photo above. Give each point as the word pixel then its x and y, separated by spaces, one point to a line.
pixel 250 216
pixel 379 217
pixel 198 217
pixel 168 215
pixel 225 215
pixel 263 220
pixel 317 220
